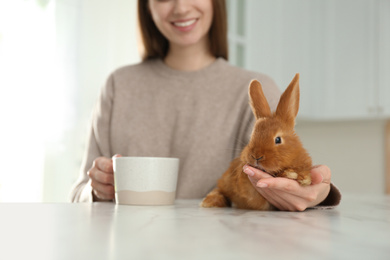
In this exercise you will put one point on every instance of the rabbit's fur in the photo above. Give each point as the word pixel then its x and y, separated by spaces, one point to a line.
pixel 274 148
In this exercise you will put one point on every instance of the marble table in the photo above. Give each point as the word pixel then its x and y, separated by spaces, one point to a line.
pixel 358 229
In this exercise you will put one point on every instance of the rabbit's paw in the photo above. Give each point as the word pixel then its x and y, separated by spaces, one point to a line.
pixel 215 199
pixel 291 174
pixel 304 179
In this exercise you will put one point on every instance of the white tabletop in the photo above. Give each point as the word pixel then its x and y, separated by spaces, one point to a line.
pixel 358 229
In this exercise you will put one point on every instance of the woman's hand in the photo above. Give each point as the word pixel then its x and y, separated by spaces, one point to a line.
pixel 102 179
pixel 287 194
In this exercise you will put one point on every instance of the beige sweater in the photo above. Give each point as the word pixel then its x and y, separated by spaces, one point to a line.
pixel 202 118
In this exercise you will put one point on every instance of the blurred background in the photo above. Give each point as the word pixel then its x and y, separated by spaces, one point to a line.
pixel 55 55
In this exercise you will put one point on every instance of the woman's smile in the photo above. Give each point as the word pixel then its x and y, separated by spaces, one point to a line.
pixel 185 25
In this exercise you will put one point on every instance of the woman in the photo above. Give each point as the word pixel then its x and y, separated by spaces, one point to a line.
pixel 184 100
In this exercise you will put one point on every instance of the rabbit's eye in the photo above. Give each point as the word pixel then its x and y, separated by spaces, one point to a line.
pixel 278 140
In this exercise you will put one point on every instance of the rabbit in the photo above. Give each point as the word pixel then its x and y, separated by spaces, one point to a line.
pixel 274 148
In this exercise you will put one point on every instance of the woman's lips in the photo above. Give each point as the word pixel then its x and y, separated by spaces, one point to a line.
pixel 185 25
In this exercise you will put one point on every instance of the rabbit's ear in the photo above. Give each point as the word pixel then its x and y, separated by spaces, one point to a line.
pixel 258 101
pixel 288 105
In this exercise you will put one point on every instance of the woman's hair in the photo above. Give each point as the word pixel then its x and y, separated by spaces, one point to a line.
pixel 155 45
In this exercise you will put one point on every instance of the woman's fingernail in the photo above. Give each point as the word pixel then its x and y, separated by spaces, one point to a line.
pixel 262 185
pixel 322 178
pixel 248 171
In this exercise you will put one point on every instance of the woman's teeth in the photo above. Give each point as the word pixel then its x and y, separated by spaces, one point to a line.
pixel 184 24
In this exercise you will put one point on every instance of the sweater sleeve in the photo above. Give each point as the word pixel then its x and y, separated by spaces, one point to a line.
pixel 98 143
pixel 333 199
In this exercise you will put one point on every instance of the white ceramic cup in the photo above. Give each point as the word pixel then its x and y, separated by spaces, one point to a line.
pixel 145 180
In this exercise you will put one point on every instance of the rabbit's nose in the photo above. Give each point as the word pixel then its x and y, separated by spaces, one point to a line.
pixel 258 159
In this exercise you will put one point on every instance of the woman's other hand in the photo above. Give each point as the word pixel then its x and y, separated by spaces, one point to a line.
pixel 102 179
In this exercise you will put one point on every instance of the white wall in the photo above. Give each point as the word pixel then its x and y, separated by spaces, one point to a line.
pixel 108 39
pixel 94 37
pixel 353 150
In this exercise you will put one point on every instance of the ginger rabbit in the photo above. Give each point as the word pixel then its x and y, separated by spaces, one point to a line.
pixel 274 148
